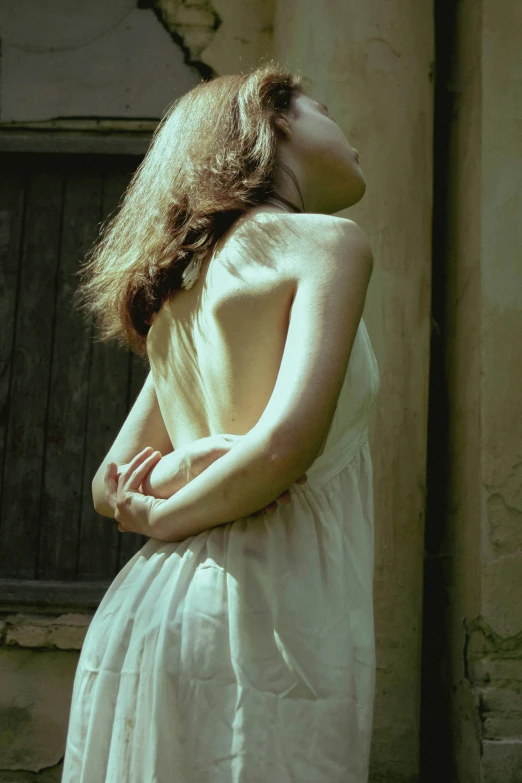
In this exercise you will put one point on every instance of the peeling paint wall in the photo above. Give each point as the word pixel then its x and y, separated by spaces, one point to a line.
pixel 482 545
pixel 228 36
pixel 493 667
pixel 83 62
pixel 193 21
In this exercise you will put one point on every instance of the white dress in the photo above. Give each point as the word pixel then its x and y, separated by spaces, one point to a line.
pixel 244 654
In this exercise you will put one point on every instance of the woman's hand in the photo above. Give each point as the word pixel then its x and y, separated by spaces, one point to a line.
pixel 122 489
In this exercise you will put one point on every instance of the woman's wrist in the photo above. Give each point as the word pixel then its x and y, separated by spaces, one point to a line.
pixel 178 468
pixel 168 476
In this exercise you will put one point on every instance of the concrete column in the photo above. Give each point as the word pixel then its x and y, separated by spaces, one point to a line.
pixel 371 63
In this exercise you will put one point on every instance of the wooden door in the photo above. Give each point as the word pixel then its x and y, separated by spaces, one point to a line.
pixel 63 397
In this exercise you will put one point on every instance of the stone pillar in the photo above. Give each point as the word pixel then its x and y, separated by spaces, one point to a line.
pixel 371 63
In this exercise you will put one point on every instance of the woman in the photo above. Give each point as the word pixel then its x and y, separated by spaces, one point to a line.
pixel 237 646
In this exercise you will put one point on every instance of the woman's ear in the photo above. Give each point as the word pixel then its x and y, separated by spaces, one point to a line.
pixel 282 127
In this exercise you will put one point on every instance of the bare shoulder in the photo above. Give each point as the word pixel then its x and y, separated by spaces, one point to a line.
pixel 297 241
pixel 314 223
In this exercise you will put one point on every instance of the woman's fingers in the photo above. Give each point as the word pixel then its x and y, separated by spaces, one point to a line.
pixel 111 480
pixel 138 467
pixel 135 461
pixel 111 471
pixel 140 456
pixel 142 470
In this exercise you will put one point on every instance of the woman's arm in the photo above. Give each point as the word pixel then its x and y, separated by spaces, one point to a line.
pixel 249 477
pixel 175 470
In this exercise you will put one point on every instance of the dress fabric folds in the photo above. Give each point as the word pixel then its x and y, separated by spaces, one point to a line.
pixel 246 653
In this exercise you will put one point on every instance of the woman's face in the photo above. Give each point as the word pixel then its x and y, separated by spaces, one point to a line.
pixel 327 165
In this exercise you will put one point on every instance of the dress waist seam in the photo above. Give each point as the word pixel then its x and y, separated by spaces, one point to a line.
pixel 333 461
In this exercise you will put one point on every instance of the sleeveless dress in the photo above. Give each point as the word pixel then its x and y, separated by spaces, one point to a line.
pixel 244 654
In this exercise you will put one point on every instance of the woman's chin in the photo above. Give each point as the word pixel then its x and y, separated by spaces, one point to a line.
pixel 363 188
pixel 350 199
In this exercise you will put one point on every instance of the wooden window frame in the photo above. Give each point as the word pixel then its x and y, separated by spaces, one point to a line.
pixel 46 593
pixel 74 142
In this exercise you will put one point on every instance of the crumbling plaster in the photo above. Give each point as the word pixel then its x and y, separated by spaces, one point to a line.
pixel 228 36
pixel 38 657
pixel 79 62
pixel 483 541
pixel 107 51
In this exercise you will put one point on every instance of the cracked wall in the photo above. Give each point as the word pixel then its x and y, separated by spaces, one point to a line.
pixel 493 669
pixel 107 47
pixel 477 577
pixel 499 632
pixel 227 36
pixel 192 22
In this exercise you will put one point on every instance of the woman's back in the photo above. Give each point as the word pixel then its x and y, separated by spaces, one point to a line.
pixel 215 349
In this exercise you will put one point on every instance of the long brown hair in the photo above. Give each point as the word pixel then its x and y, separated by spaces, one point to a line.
pixel 212 156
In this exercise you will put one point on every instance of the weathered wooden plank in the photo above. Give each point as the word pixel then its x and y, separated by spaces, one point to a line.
pixel 66 142
pixel 108 406
pixel 40 593
pixel 26 429
pixel 68 400
pixel 11 218
pixel 130 543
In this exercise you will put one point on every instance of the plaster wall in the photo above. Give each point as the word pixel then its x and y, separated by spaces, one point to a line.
pixel 499 676
pixel 62 59
pixel 483 546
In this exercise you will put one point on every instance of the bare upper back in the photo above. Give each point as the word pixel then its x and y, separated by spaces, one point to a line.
pixel 215 349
